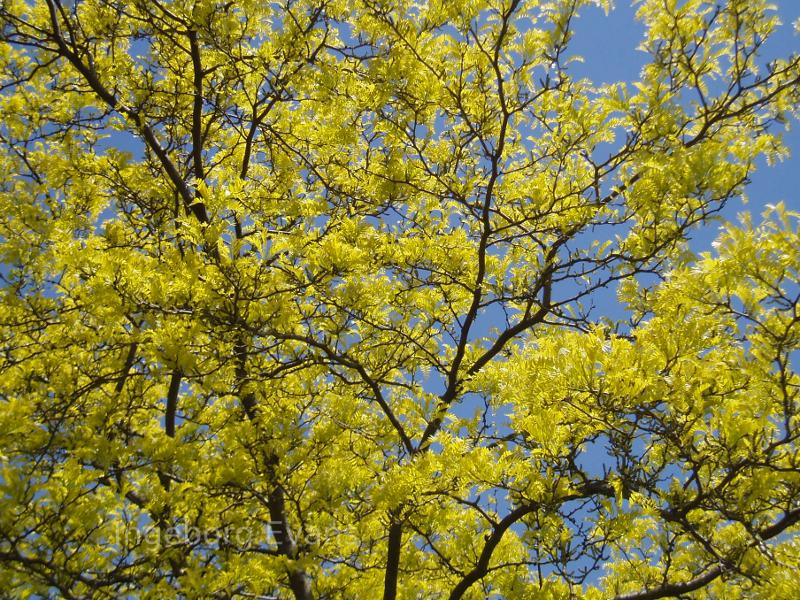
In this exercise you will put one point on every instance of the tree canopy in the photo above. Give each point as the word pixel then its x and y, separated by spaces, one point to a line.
pixel 377 299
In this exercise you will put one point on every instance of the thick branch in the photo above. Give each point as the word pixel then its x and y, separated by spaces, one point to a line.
pixel 394 546
pixel 197 108
pixel 172 402
pixel 492 540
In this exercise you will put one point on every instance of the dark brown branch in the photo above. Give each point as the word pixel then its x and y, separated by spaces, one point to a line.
pixel 197 107
pixel 172 402
pixel 492 540
pixel 394 546
pixel 126 369
pixel 299 581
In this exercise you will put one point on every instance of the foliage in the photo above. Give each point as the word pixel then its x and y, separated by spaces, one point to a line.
pixel 299 301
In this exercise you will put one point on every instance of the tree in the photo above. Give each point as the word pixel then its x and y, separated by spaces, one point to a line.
pixel 299 301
